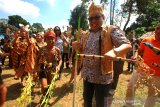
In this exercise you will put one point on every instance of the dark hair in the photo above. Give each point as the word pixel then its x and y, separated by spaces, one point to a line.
pixel 57 28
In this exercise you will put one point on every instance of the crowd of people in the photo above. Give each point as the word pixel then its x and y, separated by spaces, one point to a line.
pixel 43 54
pixel 39 54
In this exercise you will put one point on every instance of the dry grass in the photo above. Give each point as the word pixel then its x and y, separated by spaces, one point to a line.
pixel 119 97
pixel 63 95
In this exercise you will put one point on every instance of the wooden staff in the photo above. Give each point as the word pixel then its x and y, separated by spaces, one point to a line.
pixel 133 47
pixel 98 56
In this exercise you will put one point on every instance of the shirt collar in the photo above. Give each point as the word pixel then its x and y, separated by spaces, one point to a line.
pixel 97 31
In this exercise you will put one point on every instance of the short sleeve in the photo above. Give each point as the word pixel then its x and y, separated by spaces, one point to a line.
pixel 118 37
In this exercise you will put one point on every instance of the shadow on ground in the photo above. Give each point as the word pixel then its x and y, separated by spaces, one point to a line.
pixel 4 76
pixel 14 91
pixel 61 92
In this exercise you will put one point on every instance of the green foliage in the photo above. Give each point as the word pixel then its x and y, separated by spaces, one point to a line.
pixel 139 31
pixel 37 27
pixel 49 93
pixel 143 5
pixel 25 96
pixel 15 20
pixel 154 23
pixel 79 11
pixel 148 16
pixel 101 1
pixel 4 26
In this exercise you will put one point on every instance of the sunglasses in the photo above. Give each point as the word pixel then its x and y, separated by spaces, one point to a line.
pixel 95 17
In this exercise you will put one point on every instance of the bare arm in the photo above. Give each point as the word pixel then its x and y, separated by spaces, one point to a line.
pixel 122 49
pixel 59 62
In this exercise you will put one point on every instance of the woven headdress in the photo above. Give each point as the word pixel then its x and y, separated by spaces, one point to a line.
pixel 95 9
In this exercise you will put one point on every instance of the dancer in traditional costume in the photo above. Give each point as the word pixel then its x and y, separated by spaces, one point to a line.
pixel 23 53
pixel 39 44
pixel 50 61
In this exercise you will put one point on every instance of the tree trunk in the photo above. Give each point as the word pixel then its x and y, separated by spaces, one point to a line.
pixel 111 16
pixel 114 4
pixel 129 14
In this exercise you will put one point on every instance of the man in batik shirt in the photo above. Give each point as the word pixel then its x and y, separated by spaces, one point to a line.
pixel 97 73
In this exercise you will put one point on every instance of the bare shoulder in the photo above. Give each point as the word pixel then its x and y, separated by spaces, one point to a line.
pixel 57 49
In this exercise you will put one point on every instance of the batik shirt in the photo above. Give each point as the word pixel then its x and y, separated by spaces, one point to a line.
pixel 91 67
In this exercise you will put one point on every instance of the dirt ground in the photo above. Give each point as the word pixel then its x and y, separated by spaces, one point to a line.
pixel 62 96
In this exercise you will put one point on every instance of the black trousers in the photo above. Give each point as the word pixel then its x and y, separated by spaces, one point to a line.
pixel 100 91
pixel 118 69
pixel 65 56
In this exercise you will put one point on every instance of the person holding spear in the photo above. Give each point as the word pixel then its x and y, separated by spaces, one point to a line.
pixel 109 42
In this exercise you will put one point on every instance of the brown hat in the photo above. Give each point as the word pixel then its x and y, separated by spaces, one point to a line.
pixel 95 9
pixel 51 34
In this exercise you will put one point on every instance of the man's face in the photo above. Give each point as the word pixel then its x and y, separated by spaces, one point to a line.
pixel 96 21
pixel 157 32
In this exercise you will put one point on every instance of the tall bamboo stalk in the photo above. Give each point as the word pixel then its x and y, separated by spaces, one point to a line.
pixel 74 87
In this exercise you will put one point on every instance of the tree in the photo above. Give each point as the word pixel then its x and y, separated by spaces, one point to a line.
pixel 79 11
pixel 128 8
pixel 101 1
pixel 15 20
pixel 147 19
pixel 37 27
pixel 112 10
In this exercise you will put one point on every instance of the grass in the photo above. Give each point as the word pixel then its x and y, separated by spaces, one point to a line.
pixel 120 93
pixel 62 96
pixel 140 94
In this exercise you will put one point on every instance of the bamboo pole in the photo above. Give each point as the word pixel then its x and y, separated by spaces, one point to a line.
pixel 98 56
pixel 74 87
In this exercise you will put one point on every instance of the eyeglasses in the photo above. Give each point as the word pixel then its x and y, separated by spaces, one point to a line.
pixel 95 17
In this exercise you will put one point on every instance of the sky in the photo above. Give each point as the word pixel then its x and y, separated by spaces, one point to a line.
pixel 49 13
